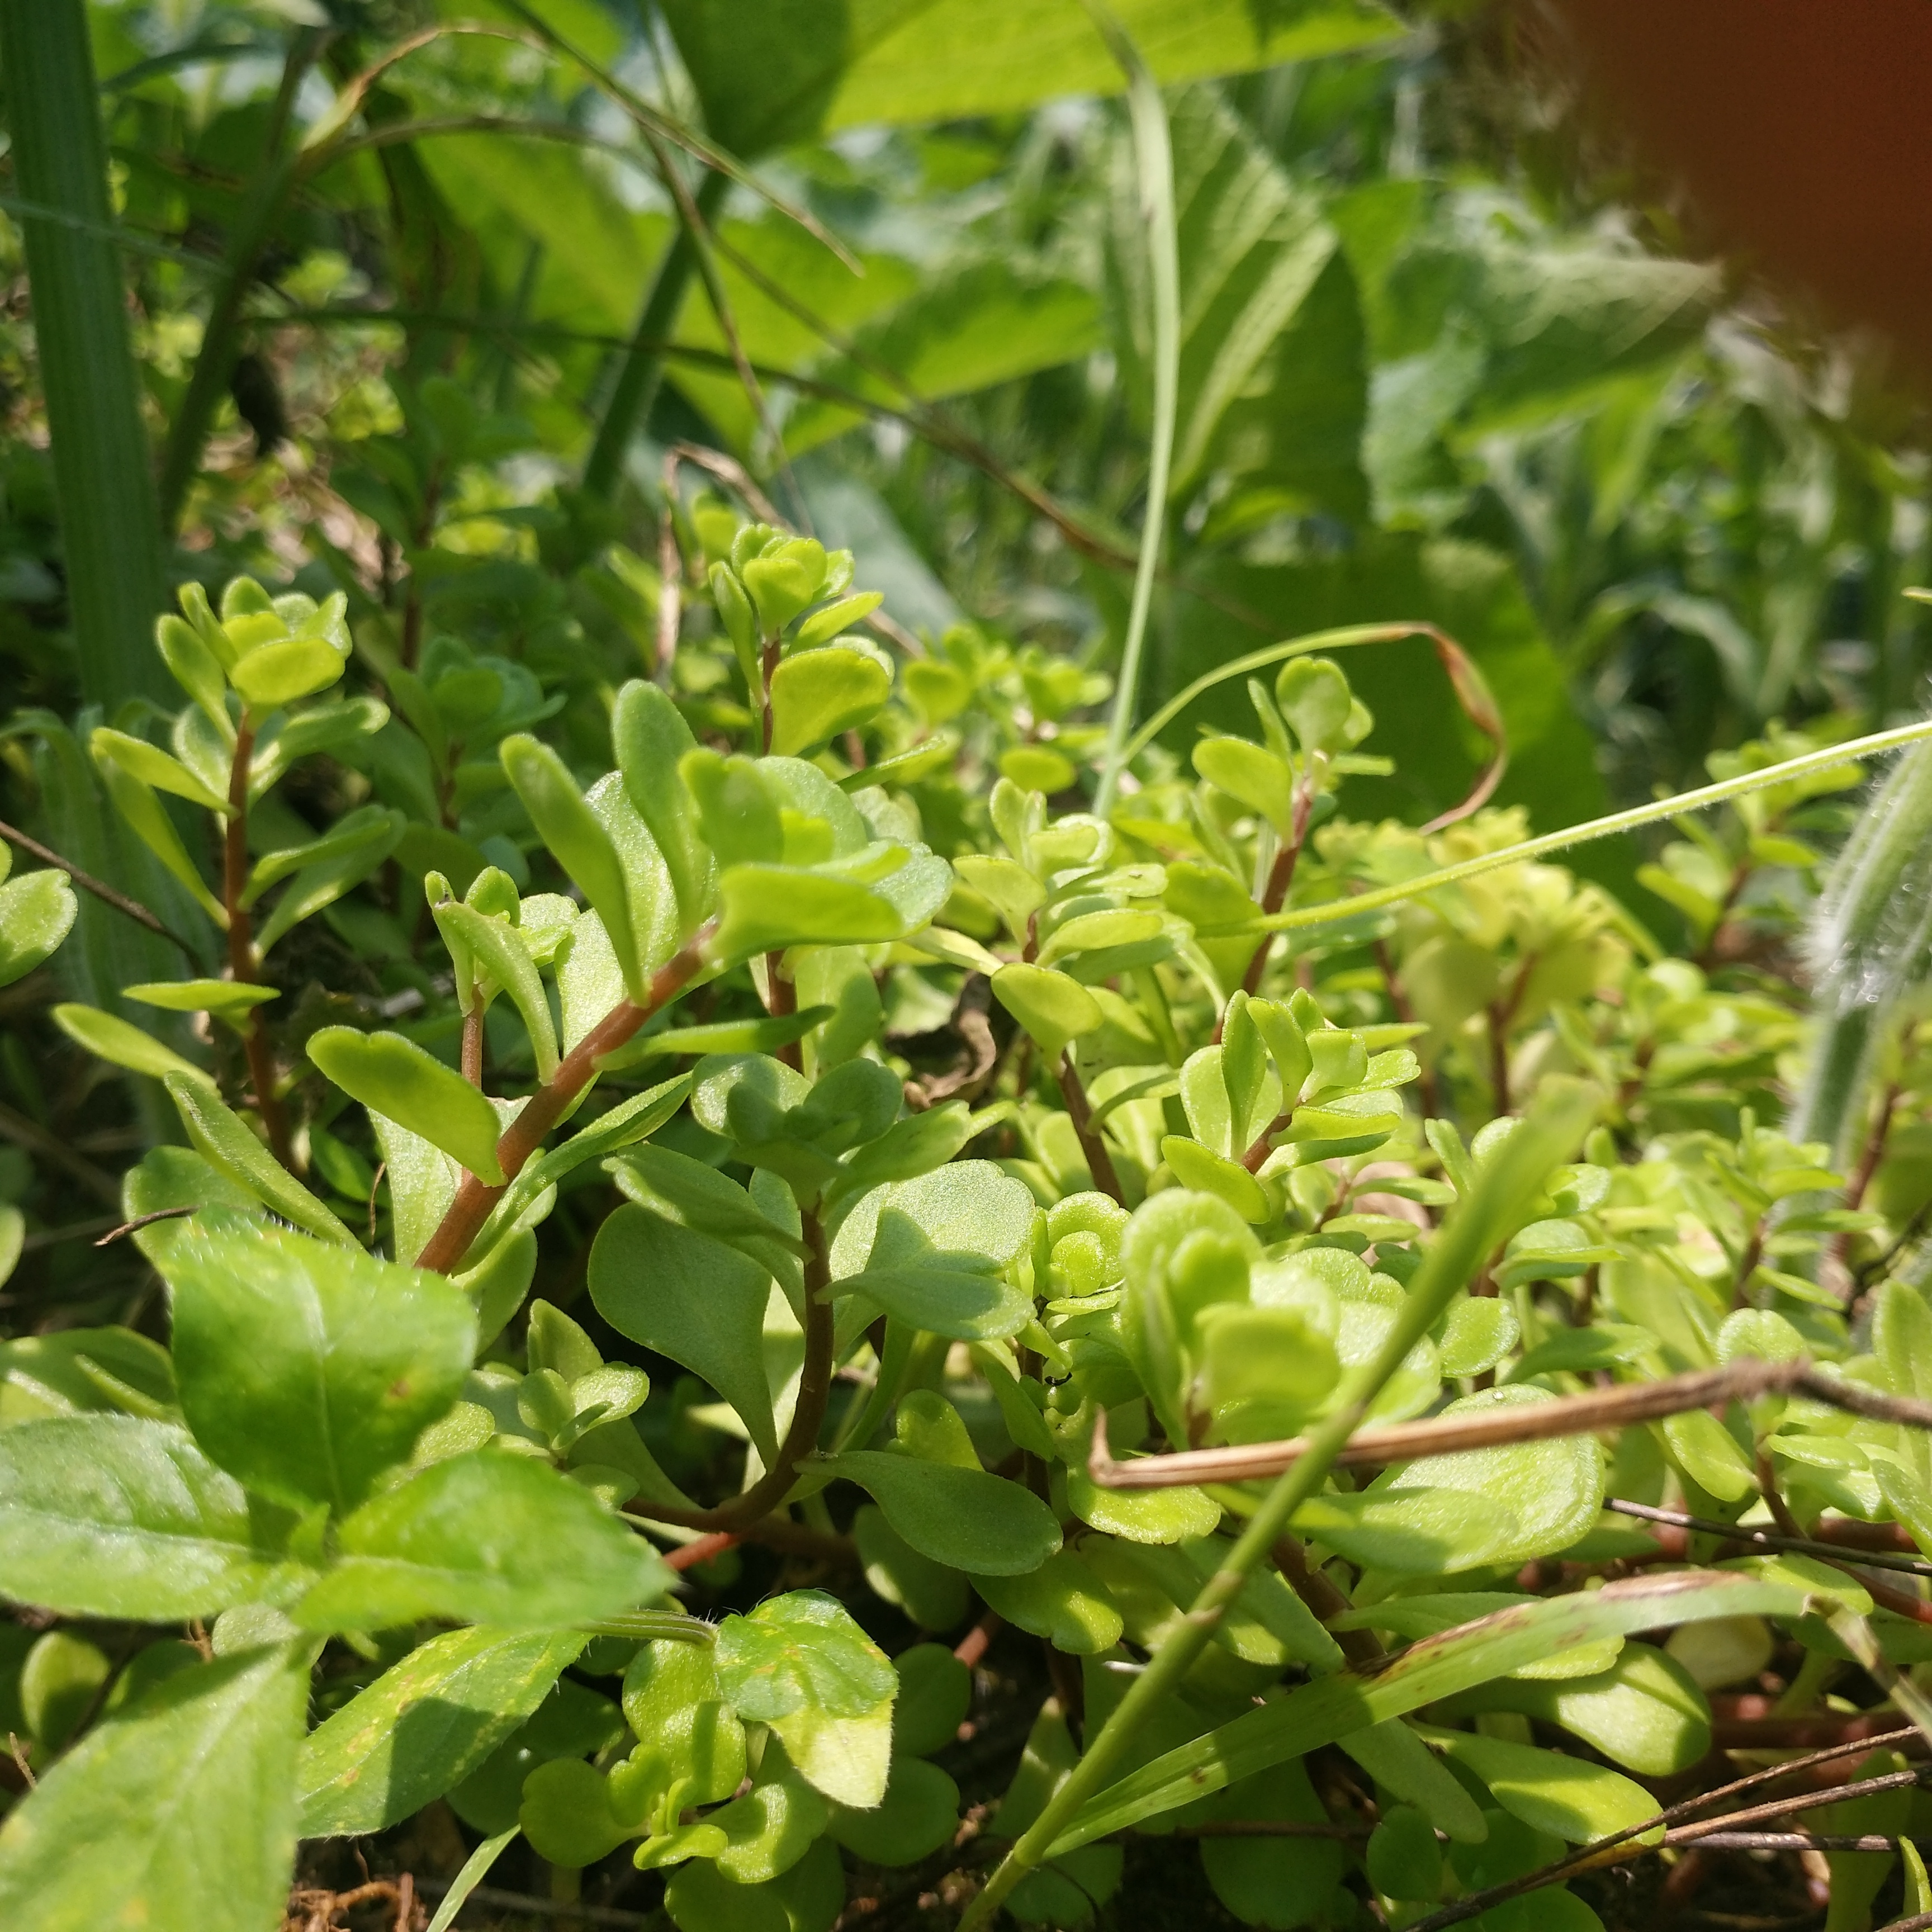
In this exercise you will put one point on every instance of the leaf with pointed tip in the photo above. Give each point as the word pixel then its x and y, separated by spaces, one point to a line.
pixel 184 1805
pixel 393 1075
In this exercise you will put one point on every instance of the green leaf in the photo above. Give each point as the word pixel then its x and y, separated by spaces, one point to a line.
pixel 136 803
pixel 275 674
pixel 1336 1706
pixel 1474 1509
pixel 693 1299
pixel 38 910
pixel 800 1664
pixel 1392 1755
pixel 122 1044
pixel 1062 1601
pixel 1569 1797
pixel 185 1805
pixel 424 1725
pixel 1052 1006
pixel 153 767
pixel 965 1518
pixel 394 1076
pixel 223 1139
pixel 766 908
pixel 919 1813
pixel 486 1537
pixel 650 737
pixel 934 1248
pixel 350 837
pixel 765 78
pixel 933 1597
pixel 567 825
pixel 112 1515
pixel 307 1369
pixel 230 1000
pixel 1646 1712
pixel 1287 1881
pixel 322 884
pixel 815 694
pixel 806 1897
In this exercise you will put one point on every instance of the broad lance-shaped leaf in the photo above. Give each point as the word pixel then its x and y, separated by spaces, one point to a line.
pixel 933 1251
pixel 223 1139
pixel 566 824
pixel 393 1075
pixel 650 735
pixel 36 912
pixel 306 1369
pixel 800 1664
pixel 694 1299
pixel 485 1537
pixel 136 803
pixel 424 1725
pixel 1569 1797
pixel 965 1519
pixel 121 1043
pixel 179 1816
pixel 1337 1706
pixel 112 1515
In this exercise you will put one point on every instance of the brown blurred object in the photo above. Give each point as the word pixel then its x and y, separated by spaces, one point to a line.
pixel 1799 129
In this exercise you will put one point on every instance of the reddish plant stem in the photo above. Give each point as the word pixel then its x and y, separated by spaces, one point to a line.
pixel 468 1211
pixel 770 666
pixel 472 1045
pixel 1281 876
pixel 972 1646
pixel 1099 1162
pixel 701 1549
pixel 814 1385
pixel 1322 1597
pixel 781 998
pixel 241 947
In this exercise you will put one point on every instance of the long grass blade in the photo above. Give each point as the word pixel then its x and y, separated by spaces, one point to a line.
pixel 1153 156
pixel 103 484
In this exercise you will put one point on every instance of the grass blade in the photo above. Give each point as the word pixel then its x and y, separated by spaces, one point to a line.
pixel 1153 155
pixel 110 527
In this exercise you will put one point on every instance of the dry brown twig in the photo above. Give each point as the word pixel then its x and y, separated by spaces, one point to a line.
pixel 1744 1380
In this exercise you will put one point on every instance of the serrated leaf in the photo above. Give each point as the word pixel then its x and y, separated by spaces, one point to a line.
pixel 306 1369
pixel 485 1537
pixel 111 1516
pixel 222 1138
pixel 424 1725
pixel 185 1805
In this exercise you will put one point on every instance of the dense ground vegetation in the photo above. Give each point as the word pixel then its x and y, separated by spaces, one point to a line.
pixel 926 997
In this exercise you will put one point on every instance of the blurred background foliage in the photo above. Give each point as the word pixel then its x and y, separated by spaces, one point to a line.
pixel 1445 357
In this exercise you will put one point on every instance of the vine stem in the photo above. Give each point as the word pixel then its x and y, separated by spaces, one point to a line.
pixel 1546 1136
pixel 130 908
pixel 242 961
pixel 465 1214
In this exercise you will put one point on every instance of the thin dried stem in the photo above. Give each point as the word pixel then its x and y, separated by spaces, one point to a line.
pixel 101 889
pixel 1741 1380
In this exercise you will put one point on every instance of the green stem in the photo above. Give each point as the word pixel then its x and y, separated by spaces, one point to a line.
pixel 1869 943
pixel 636 388
pixel 214 364
pixel 1154 154
pixel 1878 743
pixel 1546 1137
pixel 110 529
